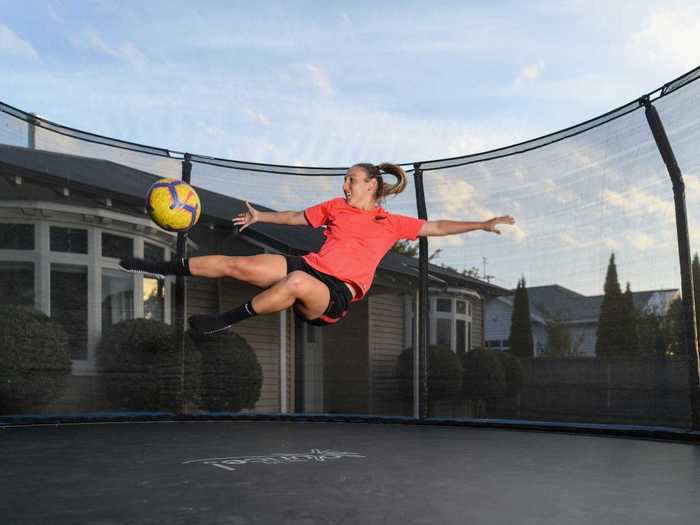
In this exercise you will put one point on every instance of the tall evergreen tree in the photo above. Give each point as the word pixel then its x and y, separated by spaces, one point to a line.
pixel 520 340
pixel 674 330
pixel 629 320
pixel 696 291
pixel 610 336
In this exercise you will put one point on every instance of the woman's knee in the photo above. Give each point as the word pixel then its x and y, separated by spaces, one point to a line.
pixel 297 283
pixel 234 266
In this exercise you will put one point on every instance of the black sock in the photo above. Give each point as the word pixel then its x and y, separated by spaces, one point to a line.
pixel 244 311
pixel 213 323
pixel 178 266
pixel 181 266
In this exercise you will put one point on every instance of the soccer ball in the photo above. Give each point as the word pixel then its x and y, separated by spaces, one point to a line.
pixel 173 205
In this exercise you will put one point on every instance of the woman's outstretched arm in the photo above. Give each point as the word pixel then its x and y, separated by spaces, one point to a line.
pixel 294 218
pixel 442 228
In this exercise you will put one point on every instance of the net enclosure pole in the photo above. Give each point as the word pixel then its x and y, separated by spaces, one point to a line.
pixel 424 304
pixel 689 314
pixel 180 298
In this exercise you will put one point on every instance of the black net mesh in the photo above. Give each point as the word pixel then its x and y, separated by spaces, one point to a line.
pixel 593 204
pixel 578 203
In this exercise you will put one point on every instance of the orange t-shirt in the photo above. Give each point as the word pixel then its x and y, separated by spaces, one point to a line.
pixel 356 240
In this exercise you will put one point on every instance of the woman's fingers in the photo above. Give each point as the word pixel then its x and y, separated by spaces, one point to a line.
pixel 245 219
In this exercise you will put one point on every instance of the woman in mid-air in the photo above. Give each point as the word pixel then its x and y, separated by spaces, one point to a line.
pixel 320 286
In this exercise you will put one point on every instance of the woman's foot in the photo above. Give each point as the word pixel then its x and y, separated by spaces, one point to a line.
pixel 209 324
pixel 134 264
pixel 160 268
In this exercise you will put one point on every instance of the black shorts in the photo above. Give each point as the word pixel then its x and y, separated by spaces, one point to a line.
pixel 340 294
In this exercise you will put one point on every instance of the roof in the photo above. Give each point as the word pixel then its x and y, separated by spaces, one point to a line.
pixel 126 183
pixel 554 301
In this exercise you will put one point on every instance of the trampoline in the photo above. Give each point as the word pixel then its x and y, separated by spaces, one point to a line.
pixel 332 473
pixel 447 395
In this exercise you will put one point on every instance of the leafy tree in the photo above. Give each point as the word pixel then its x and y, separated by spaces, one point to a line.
pixel 410 248
pixel 558 339
pixel 610 336
pixel 520 340
pixel 405 247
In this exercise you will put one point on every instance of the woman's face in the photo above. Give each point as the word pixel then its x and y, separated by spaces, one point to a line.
pixel 358 190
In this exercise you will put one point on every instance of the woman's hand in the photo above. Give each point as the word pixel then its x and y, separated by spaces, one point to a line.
pixel 247 218
pixel 490 225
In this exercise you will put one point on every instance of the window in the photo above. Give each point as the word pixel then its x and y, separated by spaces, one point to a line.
pixel 116 246
pixel 469 336
pixel 461 336
pixel 152 252
pixel 444 331
pixel 68 240
pixel 17 283
pixel 117 297
pixel 16 236
pixel 461 307
pixel 154 298
pixel 69 300
pixel 444 305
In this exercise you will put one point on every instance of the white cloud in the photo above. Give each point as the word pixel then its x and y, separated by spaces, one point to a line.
pixel 692 187
pixel 560 195
pixel 568 240
pixel 13 45
pixel 126 51
pixel 320 79
pixel 669 38
pixel 641 241
pixel 636 200
pixel 530 72
pixel 257 117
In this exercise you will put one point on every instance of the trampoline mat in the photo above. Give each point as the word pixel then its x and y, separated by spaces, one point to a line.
pixel 333 473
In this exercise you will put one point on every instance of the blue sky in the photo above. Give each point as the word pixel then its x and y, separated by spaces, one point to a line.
pixel 304 81
pixel 333 83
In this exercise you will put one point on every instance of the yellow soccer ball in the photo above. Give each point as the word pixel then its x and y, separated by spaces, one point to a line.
pixel 173 205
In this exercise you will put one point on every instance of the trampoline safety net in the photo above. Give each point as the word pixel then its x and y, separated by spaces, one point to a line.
pixel 574 314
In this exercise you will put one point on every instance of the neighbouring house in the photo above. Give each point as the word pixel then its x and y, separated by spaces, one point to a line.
pixel 66 220
pixel 577 313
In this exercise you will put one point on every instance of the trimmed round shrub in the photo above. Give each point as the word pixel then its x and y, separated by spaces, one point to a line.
pixel 444 373
pixel 484 375
pixel 514 372
pixel 34 359
pixel 139 365
pixel 231 373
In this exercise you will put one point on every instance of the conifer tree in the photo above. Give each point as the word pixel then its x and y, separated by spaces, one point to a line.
pixel 629 317
pixel 520 340
pixel 610 336
pixel 696 290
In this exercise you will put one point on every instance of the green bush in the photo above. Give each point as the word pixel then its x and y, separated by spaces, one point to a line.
pixel 231 374
pixel 34 359
pixel 444 373
pixel 514 372
pixel 484 375
pixel 139 365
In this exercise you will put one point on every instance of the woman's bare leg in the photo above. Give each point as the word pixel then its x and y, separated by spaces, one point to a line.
pixel 299 287
pixel 309 296
pixel 259 270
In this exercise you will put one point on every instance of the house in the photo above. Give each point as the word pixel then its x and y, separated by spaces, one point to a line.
pixel 66 220
pixel 578 313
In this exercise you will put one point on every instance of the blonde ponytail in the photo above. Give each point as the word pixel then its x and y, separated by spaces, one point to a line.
pixel 396 171
pixel 384 189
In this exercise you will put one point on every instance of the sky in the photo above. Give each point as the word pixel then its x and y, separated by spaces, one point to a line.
pixel 334 83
